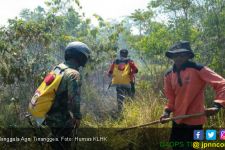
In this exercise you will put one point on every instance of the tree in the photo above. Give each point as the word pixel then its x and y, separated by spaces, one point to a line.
pixel 142 19
pixel 180 16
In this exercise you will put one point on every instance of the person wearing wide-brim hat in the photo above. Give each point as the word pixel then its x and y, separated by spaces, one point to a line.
pixel 184 86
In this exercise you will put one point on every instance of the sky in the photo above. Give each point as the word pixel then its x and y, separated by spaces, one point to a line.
pixel 108 9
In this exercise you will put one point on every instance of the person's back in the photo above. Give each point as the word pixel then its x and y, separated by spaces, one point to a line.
pixel 65 113
pixel 68 88
pixel 122 71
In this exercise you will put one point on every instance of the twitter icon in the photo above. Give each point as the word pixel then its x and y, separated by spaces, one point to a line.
pixel 210 134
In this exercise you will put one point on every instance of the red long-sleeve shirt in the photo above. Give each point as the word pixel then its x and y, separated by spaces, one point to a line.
pixel 184 90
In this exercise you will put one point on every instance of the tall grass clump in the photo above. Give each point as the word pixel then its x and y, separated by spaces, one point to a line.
pixel 145 107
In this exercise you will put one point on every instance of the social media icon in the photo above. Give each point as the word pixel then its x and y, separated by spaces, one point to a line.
pixel 198 135
pixel 222 134
pixel 210 134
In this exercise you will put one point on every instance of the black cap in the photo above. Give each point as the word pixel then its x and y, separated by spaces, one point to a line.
pixel 180 47
pixel 124 52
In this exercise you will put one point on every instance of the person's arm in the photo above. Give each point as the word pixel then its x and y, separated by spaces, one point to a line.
pixel 133 67
pixel 110 71
pixel 169 93
pixel 218 84
pixel 73 104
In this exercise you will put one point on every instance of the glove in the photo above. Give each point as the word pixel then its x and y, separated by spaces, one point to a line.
pixel 76 122
pixel 165 115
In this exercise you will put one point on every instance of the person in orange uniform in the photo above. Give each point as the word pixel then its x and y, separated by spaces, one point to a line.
pixel 184 86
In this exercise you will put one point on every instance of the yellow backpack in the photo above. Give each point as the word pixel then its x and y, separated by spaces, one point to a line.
pixel 44 96
pixel 121 73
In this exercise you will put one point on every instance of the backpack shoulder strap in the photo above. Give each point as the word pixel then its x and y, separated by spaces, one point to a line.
pixel 60 68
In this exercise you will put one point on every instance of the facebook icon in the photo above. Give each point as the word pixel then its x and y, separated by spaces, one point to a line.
pixel 198 135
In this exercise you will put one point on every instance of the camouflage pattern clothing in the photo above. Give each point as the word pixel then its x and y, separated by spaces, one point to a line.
pixel 67 98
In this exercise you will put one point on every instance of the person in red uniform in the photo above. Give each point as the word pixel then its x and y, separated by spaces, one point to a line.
pixel 184 86
pixel 124 90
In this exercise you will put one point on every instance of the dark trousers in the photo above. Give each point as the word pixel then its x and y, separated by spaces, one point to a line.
pixel 132 89
pixel 61 128
pixel 122 93
pixel 183 133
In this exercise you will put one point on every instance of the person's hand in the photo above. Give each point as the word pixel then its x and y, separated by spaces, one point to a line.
pixel 211 111
pixel 109 75
pixel 76 122
pixel 164 117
